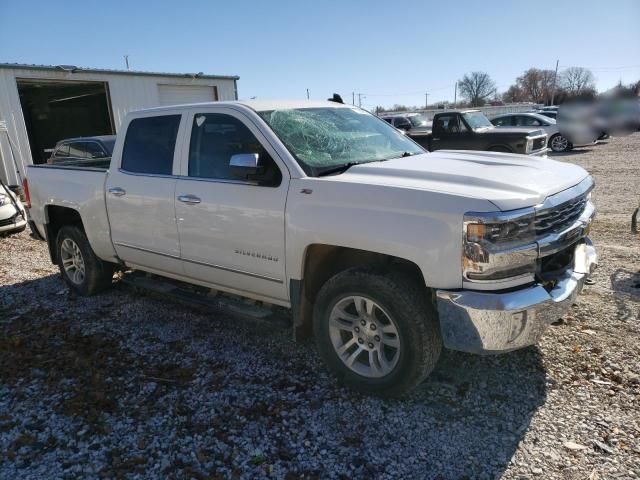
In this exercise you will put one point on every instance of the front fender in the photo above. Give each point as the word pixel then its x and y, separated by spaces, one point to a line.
pixel 422 227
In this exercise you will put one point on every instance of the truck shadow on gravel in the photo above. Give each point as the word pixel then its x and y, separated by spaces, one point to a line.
pixel 256 399
pixel 570 153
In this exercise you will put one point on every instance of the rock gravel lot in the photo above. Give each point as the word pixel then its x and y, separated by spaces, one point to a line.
pixel 125 385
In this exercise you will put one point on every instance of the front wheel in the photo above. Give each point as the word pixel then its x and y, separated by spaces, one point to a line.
pixel 559 143
pixel 81 269
pixel 377 331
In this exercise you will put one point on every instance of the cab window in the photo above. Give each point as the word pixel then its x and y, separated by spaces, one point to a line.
pixel 502 121
pixel 525 121
pixel 215 138
pixel 150 144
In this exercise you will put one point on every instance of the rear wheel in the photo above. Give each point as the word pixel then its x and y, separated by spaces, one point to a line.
pixel 81 269
pixel 377 331
pixel 559 143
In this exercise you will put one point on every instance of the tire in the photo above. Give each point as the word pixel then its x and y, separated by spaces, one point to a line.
pixel 559 143
pixel 73 249
pixel 397 299
pixel 499 149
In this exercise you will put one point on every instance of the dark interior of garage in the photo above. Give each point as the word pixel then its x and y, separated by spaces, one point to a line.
pixel 56 110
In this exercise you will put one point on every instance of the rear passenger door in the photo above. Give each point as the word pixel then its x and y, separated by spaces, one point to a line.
pixel 140 194
pixel 231 228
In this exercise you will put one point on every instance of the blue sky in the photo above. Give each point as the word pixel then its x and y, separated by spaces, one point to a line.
pixel 390 51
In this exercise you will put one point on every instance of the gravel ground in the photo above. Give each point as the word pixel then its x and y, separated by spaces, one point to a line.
pixel 125 385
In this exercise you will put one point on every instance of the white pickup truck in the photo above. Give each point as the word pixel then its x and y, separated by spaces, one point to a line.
pixel 384 252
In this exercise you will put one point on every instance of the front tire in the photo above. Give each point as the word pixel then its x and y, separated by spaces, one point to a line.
pixel 80 268
pixel 559 143
pixel 377 331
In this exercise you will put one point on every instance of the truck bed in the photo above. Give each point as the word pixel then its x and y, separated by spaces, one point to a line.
pixel 76 187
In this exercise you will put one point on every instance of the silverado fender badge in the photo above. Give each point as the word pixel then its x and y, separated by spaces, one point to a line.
pixel 262 256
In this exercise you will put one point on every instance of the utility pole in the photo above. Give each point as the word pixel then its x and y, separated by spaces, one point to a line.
pixel 126 61
pixel 307 94
pixel 455 95
pixel 353 98
pixel 359 100
pixel 426 100
pixel 555 77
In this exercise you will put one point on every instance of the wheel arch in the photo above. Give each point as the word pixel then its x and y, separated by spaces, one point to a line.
pixel 504 146
pixel 323 261
pixel 57 217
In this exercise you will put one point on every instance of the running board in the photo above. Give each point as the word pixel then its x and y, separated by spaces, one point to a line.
pixel 203 297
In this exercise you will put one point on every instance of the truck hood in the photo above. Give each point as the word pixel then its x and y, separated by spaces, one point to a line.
pixel 509 181
pixel 524 131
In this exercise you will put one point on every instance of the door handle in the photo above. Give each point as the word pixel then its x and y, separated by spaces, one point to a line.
pixel 117 191
pixel 189 199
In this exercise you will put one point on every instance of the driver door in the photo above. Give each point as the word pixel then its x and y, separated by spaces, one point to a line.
pixel 231 228
pixel 453 134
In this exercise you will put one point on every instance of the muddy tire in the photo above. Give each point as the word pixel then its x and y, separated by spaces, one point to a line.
pixel 377 330
pixel 80 268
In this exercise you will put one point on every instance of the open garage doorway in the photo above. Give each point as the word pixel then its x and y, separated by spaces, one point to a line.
pixel 55 110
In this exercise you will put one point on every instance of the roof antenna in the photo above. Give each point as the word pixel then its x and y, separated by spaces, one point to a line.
pixel 335 98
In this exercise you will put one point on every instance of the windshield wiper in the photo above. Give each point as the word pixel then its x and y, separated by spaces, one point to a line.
pixel 337 169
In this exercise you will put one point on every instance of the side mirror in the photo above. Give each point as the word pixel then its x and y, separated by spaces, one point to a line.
pixel 242 165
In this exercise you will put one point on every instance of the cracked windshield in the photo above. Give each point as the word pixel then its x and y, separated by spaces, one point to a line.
pixel 330 137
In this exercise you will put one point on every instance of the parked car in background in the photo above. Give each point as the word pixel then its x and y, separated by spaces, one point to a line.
pixel 548 113
pixel 556 140
pixel 472 130
pixel 86 151
pixel 384 252
pixel 415 125
pixel 13 216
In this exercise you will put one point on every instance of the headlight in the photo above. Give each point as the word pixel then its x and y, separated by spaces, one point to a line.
pixel 498 246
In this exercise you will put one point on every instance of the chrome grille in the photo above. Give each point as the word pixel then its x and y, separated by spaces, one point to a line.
pixel 539 143
pixel 560 217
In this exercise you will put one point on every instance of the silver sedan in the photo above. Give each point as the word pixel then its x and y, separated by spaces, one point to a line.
pixel 557 141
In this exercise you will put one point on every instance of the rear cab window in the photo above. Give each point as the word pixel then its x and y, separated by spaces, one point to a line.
pixel 62 151
pixel 149 145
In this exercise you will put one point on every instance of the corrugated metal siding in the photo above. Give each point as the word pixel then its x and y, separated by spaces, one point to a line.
pixel 180 94
pixel 127 92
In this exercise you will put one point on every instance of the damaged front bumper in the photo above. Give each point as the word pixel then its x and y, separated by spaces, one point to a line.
pixel 486 322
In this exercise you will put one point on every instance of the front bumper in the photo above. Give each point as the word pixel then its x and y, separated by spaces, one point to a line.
pixel 10 219
pixel 485 322
pixel 539 153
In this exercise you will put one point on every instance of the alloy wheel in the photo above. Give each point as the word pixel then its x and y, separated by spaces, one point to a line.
pixel 72 261
pixel 364 336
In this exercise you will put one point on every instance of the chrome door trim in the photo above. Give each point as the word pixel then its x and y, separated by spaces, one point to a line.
pixel 204 264
pixel 146 250
pixel 234 270
pixel 138 174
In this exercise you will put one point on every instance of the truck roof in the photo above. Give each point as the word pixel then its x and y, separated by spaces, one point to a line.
pixel 259 105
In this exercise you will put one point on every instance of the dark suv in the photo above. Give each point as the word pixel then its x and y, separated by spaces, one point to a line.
pixel 85 151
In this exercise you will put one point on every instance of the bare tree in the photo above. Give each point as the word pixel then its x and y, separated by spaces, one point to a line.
pixel 476 87
pixel 536 85
pixel 578 81
pixel 513 95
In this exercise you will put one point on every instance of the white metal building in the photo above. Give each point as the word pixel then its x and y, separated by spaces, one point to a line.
pixel 41 104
